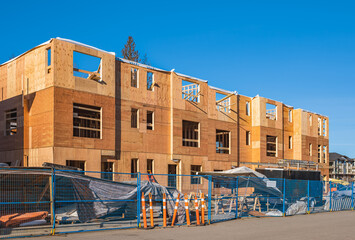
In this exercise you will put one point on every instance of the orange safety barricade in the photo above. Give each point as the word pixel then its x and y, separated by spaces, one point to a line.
pixel 197 213
pixel 202 209
pixel 151 210
pixel 187 210
pixel 164 210
pixel 144 211
pixel 175 209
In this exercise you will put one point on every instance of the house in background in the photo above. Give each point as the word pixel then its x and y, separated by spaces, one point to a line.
pixel 341 167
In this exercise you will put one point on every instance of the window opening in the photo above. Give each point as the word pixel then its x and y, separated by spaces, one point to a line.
pixel 190 91
pixel 190 134
pixel 150 81
pixel 134 118
pixel 223 102
pixel 86 121
pixel 271 112
pixel 107 170
pixel 195 179
pixel 134 77
pixel 86 66
pixel 271 146
pixel 11 122
pixel 222 141
pixel 150 120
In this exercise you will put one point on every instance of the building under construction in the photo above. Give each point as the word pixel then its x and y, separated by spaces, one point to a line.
pixel 68 103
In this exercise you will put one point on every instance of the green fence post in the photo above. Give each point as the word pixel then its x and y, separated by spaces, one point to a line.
pixel 209 198
pixel 139 200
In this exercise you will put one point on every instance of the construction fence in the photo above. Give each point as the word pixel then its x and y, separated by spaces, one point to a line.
pixel 35 202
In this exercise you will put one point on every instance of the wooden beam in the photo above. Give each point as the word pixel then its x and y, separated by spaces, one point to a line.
pixel 228 96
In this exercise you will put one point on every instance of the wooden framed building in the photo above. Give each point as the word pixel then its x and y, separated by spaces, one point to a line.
pixel 68 103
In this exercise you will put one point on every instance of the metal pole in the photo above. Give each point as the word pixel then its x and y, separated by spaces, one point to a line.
pixel 209 198
pixel 284 199
pixel 330 196
pixel 308 195
pixel 138 200
pixel 52 196
pixel 236 199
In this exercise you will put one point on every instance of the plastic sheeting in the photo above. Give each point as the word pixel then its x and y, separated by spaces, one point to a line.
pixel 81 197
pixel 299 207
pixel 245 177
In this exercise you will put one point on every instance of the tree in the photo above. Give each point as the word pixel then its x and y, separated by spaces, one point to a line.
pixel 129 52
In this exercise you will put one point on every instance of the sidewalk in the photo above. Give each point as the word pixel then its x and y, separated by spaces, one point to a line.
pixel 322 226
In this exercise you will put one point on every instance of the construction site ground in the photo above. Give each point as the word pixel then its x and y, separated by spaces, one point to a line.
pixel 329 225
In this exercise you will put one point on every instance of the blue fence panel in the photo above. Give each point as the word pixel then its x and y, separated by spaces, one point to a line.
pixel 84 202
pixel 36 202
pixel 223 201
pixel 341 197
pixel 25 202
pixel 318 196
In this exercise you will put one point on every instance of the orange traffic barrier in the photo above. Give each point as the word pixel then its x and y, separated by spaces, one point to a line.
pixel 175 209
pixel 144 211
pixel 202 209
pixel 197 213
pixel 164 210
pixel 187 210
pixel 151 210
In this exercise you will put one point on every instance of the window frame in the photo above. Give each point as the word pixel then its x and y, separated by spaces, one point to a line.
pixel 247 138
pixel 11 119
pixel 247 108
pixel 190 92
pixel 195 180
pixel 135 124
pixel 150 126
pixel 150 162
pixel 324 154
pixel 271 113
pixel 105 174
pixel 173 177
pixel 324 127
pixel 194 141
pixel 137 77
pixel 82 120
pixel 152 81
pixel 269 153
pixel 78 162
pixel 223 149
pixel 290 142
pixel 134 167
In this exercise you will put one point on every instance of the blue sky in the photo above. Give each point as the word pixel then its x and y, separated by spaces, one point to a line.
pixel 299 52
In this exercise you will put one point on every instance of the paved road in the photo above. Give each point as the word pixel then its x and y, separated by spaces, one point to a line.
pixel 323 226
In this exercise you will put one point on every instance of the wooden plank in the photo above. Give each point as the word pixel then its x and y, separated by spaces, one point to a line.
pixel 228 96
